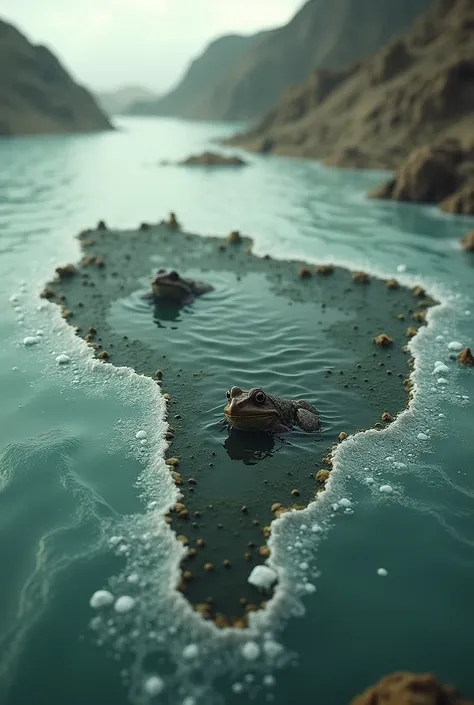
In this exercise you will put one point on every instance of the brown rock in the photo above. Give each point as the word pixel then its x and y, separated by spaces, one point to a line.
pixel 466 357
pixel 324 269
pixel 342 436
pixel 295 493
pixel 384 340
pixel 234 238
pixel 404 688
pixel 264 551
pixel 392 284
pixel 304 273
pixel 411 332
pixel 208 567
pixel 467 242
pixel 213 159
pixel 462 201
pixel 65 272
pixel 322 475
pixel 418 291
pixel 386 417
pixel 362 277
pixel 275 507
pixel 104 355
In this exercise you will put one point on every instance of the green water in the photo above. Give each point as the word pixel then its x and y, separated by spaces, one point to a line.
pixel 70 460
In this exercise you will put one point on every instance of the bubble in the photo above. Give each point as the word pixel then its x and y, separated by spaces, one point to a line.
pixel 191 651
pixel 153 685
pixel 63 359
pixel 123 604
pixel 454 345
pixel 386 489
pixel 251 650
pixel 269 680
pixel 272 648
pixel 382 572
pixel 345 502
pixel 101 598
pixel 141 434
pixel 31 340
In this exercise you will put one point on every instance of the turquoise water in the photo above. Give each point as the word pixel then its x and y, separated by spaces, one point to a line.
pixel 70 462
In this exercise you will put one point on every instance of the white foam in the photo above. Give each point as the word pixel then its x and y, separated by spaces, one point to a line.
pixel 133 578
pixel 441 381
pixel 345 502
pixel 316 528
pixel 269 680
pixel 401 268
pixel 123 604
pixel 31 340
pixel 101 598
pixel 454 345
pixel 422 436
pixel 440 367
pixel 309 588
pixel 153 685
pixel 386 489
pixel 272 648
pixel 63 359
pixel 251 650
pixel 191 651
pixel 141 434
pixel 237 688
pixel 382 572
pixel 263 577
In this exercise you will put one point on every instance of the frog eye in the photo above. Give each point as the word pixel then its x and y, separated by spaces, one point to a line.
pixel 259 397
pixel 173 275
pixel 228 394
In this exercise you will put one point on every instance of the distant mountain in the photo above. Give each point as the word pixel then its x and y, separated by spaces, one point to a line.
pixel 37 95
pixel 240 78
pixel 417 90
pixel 193 92
pixel 118 101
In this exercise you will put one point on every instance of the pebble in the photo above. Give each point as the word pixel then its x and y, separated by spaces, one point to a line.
pixel 154 685
pixel 386 489
pixel 124 604
pixel 101 598
pixel 382 572
pixel 454 345
pixel 251 650
pixel 141 434
pixel 63 359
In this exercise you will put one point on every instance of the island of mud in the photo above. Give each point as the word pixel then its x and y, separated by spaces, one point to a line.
pixel 336 338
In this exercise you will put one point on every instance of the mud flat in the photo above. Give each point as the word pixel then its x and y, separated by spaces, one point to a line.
pixel 333 337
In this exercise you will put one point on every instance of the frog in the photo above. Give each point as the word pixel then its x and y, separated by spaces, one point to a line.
pixel 170 285
pixel 254 410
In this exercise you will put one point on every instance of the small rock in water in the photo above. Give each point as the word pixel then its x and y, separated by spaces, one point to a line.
pixel 154 685
pixel 386 489
pixel 63 359
pixel 382 572
pixel 141 434
pixel 454 345
pixel 124 604
pixel 101 598
pixel 31 340
pixel 251 650
pixel 262 577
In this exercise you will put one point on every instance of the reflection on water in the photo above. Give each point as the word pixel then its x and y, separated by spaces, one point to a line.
pixel 249 446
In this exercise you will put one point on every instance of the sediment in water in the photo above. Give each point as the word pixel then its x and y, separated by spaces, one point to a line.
pixel 230 497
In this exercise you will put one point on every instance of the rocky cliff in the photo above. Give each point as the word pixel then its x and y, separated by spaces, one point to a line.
pixel 418 89
pixel 243 79
pixel 37 95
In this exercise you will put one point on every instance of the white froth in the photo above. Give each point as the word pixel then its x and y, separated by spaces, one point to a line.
pixel 316 528
pixel 133 578
pixel 303 565
pixel 386 489
pixel 440 367
pixel 123 604
pixel 454 345
pixel 251 650
pixel 191 651
pixel 345 502
pixel 263 577
pixel 272 648
pixel 369 480
pixel 141 434
pixel 237 688
pixel 189 701
pixel 382 572
pixel 422 436
pixel 101 598
pixel 114 540
pixel 153 685
pixel 401 268
pixel 269 680
pixel 39 332
pixel 31 340
pixel 63 359
pixel 441 381
pixel 310 588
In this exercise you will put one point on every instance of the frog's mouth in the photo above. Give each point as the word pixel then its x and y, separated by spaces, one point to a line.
pixel 169 289
pixel 248 420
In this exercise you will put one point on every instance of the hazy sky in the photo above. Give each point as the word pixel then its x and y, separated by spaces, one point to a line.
pixel 114 42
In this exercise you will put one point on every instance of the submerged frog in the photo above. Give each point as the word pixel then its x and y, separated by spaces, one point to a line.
pixel 169 285
pixel 256 411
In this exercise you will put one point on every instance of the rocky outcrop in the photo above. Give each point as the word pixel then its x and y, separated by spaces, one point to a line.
pixel 118 101
pixel 37 95
pixel 404 688
pixel 467 242
pixel 417 90
pixel 240 78
pixel 433 175
pixel 213 159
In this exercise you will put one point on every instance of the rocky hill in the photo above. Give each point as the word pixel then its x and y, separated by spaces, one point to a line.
pixel 240 78
pixel 418 89
pixel 118 101
pixel 37 95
